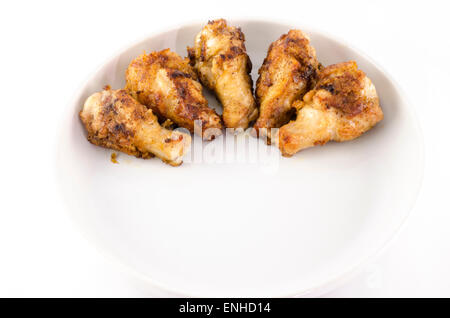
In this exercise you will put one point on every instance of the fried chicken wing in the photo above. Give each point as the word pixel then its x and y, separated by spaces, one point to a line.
pixel 167 84
pixel 343 105
pixel 221 61
pixel 113 119
pixel 288 72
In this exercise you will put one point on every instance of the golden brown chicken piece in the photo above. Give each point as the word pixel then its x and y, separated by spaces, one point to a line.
pixel 343 105
pixel 113 119
pixel 167 84
pixel 221 61
pixel 287 73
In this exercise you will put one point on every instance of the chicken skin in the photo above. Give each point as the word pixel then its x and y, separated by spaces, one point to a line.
pixel 222 64
pixel 342 106
pixel 288 72
pixel 113 119
pixel 167 84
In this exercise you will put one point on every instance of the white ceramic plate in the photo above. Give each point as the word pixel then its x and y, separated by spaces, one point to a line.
pixel 272 227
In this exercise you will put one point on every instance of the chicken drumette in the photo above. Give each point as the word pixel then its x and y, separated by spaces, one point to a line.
pixel 113 119
pixel 343 105
pixel 288 72
pixel 221 61
pixel 167 84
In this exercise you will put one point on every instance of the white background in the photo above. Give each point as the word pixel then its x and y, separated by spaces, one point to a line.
pixel 49 47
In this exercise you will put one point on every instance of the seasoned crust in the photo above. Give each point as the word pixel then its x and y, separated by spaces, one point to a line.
pixel 344 82
pixel 343 105
pixel 294 45
pixel 167 84
pixel 288 72
pixel 228 50
pixel 222 64
pixel 114 119
pixel 109 127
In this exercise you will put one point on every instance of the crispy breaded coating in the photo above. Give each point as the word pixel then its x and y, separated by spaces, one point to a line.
pixel 343 105
pixel 167 84
pixel 288 72
pixel 113 119
pixel 220 58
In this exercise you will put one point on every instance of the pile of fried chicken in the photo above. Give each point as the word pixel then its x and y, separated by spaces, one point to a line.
pixel 298 103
